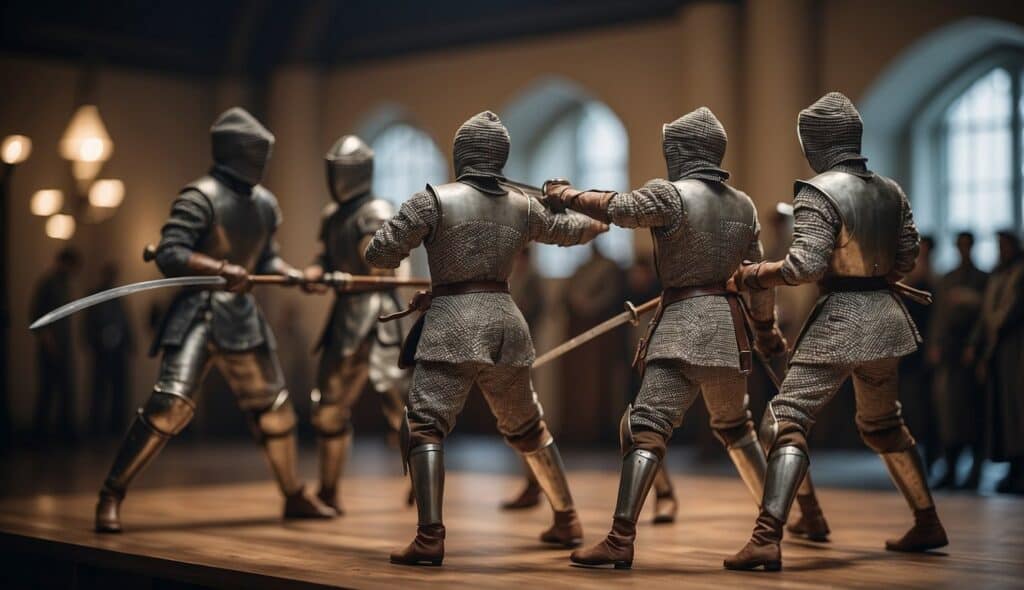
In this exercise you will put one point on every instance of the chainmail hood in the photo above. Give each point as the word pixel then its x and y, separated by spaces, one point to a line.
pixel 694 146
pixel 241 145
pixel 830 132
pixel 481 149
pixel 349 168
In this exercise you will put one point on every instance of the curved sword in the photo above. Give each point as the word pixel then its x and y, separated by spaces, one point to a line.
pixel 97 298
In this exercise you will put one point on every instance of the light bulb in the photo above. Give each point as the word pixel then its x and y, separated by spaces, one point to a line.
pixel 16 149
pixel 107 192
pixel 60 226
pixel 46 202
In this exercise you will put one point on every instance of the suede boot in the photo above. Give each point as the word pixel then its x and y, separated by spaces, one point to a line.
pixel 763 548
pixel 108 511
pixel 301 504
pixel 927 533
pixel 529 497
pixel 616 549
pixel 566 530
pixel 811 524
pixel 427 548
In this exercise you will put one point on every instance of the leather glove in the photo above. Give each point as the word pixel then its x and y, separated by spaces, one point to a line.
pixel 557 194
pixel 311 277
pixel 592 230
pixel 237 277
pixel 756 276
pixel 770 340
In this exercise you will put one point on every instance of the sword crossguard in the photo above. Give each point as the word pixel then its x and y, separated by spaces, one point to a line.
pixel 634 314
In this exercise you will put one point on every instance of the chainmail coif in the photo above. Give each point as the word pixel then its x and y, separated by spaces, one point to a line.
pixel 830 131
pixel 694 146
pixel 481 147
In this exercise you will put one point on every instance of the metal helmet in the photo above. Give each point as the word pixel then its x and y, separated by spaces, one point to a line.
pixel 830 132
pixel 241 145
pixel 349 168
pixel 694 146
pixel 481 146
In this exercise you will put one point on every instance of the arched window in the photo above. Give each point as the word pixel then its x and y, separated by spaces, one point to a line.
pixel 405 160
pixel 980 148
pixel 969 158
pixel 582 140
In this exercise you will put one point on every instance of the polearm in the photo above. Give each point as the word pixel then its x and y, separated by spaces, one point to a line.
pixel 630 316
pixel 340 281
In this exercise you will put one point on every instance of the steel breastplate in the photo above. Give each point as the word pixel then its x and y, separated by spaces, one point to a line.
pixel 871 211
pixel 347 226
pixel 242 225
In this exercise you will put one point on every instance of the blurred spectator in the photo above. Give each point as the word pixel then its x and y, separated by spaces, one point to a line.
pixel 958 397
pixel 108 333
pixel 594 379
pixel 915 373
pixel 997 346
pixel 53 353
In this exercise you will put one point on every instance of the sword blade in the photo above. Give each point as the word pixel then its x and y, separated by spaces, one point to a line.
pixel 122 291
pixel 604 327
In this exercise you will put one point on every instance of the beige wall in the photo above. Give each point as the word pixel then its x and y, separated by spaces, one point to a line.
pixel 754 63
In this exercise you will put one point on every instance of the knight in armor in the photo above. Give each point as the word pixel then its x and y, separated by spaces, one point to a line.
pixel 221 224
pixel 854 235
pixel 697 342
pixel 355 348
pixel 470 331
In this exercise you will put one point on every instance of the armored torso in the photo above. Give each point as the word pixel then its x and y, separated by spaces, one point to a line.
pixel 345 226
pixel 242 225
pixel 871 210
pixel 710 241
pixel 478 235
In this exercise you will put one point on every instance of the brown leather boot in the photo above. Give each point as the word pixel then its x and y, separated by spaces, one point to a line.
pixel 301 504
pixel 329 497
pixel 566 531
pixel 529 497
pixel 616 549
pixel 812 524
pixel 665 508
pixel 763 548
pixel 426 549
pixel 927 533
pixel 108 511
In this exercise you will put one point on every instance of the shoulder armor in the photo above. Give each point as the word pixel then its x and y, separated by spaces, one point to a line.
pixel 707 203
pixel 459 202
pixel 373 214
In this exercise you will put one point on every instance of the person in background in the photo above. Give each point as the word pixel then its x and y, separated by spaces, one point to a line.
pixel 108 334
pixel 957 396
pixel 997 348
pixel 53 349
pixel 915 373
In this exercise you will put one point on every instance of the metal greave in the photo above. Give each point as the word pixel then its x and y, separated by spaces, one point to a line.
pixel 141 444
pixel 426 469
pixel 549 471
pixel 787 467
pixel 748 457
pixel 639 467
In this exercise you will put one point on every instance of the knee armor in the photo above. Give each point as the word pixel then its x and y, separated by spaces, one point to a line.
pixel 167 413
pixel 329 420
pixel 277 420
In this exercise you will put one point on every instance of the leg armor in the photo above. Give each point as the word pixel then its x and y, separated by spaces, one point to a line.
pixel 274 427
pixel 547 467
pixel 426 468
pixel 639 468
pixel 747 455
pixel 665 503
pixel 787 467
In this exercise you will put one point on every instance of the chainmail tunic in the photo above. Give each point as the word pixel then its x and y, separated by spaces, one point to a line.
pixel 476 327
pixel 848 326
pixel 699 330
pixel 671 386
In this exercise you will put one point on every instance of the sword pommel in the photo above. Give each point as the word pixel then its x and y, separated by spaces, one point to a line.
pixel 149 253
pixel 634 318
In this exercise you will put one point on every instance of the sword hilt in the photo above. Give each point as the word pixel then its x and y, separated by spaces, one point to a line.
pixel 149 253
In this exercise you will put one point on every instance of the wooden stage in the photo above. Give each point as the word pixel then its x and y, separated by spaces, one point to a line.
pixel 230 536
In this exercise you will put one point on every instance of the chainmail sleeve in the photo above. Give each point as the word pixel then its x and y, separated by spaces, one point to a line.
pixel 910 241
pixel 816 225
pixel 762 302
pixel 413 224
pixel 561 229
pixel 656 204
pixel 190 219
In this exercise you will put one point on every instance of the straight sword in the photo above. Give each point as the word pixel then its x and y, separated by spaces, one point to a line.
pixel 630 316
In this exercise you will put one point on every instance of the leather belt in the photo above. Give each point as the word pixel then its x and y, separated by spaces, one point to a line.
pixel 845 284
pixel 421 300
pixel 676 294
